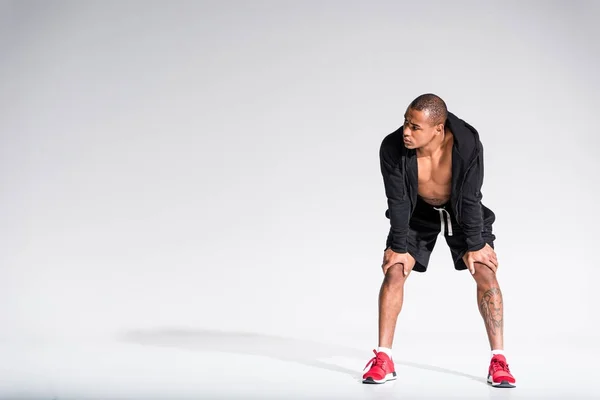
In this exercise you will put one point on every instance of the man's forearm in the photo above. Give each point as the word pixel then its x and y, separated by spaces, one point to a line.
pixel 399 214
pixel 472 221
pixel 471 208
pixel 395 191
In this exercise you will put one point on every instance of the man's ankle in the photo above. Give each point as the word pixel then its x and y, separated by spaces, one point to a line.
pixel 386 350
pixel 497 351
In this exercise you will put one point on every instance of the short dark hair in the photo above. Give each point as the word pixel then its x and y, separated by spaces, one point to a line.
pixel 434 105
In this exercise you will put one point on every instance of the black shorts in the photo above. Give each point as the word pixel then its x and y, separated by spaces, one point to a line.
pixel 427 222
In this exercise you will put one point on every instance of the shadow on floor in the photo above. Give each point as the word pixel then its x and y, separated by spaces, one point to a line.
pixel 303 352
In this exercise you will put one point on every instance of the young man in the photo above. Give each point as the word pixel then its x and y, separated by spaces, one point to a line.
pixel 432 171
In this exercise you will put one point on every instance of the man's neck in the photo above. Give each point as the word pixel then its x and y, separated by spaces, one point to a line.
pixel 435 148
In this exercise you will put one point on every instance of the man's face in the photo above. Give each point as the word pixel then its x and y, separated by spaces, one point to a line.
pixel 418 130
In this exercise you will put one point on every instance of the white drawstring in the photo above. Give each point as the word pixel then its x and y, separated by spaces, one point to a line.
pixel 441 211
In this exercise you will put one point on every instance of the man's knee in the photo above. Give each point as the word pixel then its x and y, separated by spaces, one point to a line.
pixel 485 276
pixel 395 275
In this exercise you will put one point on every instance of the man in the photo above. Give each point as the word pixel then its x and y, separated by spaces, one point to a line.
pixel 432 171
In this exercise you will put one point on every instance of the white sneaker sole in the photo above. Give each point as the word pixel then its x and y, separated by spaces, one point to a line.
pixel 503 384
pixel 389 377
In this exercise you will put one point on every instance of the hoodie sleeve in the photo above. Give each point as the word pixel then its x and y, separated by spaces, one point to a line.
pixel 472 211
pixel 398 202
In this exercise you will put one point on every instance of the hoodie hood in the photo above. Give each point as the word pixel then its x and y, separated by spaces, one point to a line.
pixel 466 138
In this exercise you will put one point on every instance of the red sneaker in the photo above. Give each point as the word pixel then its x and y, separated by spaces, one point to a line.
pixel 382 369
pixel 498 374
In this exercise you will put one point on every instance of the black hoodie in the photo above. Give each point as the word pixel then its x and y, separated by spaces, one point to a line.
pixel 399 170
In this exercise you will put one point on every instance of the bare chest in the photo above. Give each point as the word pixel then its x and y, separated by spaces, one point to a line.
pixel 435 179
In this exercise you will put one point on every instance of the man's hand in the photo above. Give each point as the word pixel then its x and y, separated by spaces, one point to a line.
pixel 390 258
pixel 486 256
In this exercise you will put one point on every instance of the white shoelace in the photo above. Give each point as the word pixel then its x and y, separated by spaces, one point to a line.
pixel 443 223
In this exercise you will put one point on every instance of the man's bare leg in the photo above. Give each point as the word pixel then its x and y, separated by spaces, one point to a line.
pixel 391 298
pixel 489 301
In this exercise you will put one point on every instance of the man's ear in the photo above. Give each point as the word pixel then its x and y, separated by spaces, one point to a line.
pixel 439 129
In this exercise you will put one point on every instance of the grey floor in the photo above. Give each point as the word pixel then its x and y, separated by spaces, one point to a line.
pixel 202 364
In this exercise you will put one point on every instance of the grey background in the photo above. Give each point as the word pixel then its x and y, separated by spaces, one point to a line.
pixel 214 165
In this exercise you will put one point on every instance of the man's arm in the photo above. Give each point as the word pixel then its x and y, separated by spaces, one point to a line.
pixel 472 211
pixel 397 199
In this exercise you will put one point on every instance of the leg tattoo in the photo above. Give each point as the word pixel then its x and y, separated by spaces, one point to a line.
pixel 490 307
